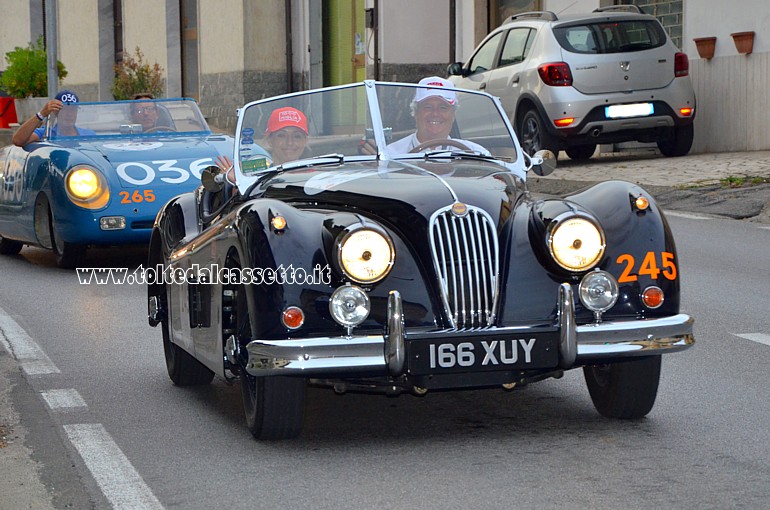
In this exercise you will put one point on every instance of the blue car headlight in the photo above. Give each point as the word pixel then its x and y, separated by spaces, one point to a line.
pixel 86 187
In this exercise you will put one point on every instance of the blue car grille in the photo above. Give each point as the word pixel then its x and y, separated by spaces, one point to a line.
pixel 466 256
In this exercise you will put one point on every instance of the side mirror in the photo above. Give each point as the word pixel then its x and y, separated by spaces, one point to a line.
pixel 213 179
pixel 544 162
pixel 455 69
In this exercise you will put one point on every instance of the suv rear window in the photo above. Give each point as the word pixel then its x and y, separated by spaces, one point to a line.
pixel 611 37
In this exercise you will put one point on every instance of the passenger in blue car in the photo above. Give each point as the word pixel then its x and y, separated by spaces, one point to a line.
pixel 64 105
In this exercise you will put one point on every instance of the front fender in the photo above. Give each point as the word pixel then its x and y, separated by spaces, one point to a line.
pixel 306 248
pixel 640 252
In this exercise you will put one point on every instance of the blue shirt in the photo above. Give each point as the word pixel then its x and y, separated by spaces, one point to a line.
pixel 81 131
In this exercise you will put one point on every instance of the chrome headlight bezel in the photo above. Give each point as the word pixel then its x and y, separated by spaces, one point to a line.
pixel 584 229
pixel 353 240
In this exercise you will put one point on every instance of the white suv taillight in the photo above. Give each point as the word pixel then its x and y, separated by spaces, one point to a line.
pixel 681 65
pixel 555 74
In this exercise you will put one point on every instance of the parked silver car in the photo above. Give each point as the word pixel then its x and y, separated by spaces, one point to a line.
pixel 569 83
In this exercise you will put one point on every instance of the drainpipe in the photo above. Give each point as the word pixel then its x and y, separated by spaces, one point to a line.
pixel 51 39
pixel 289 52
pixel 452 31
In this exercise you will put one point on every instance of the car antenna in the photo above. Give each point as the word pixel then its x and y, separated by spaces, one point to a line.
pixel 570 5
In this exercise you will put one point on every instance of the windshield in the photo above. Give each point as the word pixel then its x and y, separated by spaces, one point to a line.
pixel 119 118
pixel 369 120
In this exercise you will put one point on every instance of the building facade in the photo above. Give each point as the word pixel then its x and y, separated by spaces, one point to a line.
pixel 225 53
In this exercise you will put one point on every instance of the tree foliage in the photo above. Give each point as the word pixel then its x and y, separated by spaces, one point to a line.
pixel 134 76
pixel 27 72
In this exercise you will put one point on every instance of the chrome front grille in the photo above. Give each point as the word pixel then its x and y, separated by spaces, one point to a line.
pixel 466 256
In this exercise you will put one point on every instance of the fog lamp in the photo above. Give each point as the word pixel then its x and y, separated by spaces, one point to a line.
pixel 349 305
pixel 112 223
pixel 598 291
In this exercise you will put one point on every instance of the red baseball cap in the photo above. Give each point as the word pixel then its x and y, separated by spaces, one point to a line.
pixel 286 117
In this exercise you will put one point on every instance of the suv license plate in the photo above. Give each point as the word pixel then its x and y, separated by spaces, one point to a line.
pixel 629 110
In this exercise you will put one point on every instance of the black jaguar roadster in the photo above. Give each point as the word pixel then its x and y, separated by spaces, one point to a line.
pixel 381 237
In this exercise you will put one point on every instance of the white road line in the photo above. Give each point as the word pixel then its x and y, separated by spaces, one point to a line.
pixel 63 398
pixel 113 472
pixel 17 342
pixel 687 215
pixel 756 337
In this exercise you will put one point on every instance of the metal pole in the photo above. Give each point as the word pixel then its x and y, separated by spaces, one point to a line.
pixel 51 38
pixel 452 31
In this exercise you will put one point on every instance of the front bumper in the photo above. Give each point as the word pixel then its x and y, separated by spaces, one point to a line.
pixel 386 353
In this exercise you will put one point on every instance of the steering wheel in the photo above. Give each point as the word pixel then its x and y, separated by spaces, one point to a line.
pixel 439 142
pixel 160 128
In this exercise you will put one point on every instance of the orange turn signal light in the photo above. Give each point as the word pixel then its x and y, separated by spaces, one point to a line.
pixel 278 223
pixel 293 317
pixel 641 203
pixel 564 122
pixel 652 297
pixel 685 112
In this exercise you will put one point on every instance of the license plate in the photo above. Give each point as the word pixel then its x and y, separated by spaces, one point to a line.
pixel 480 354
pixel 617 111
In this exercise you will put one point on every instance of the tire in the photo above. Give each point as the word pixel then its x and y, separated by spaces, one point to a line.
pixel 680 142
pixel 68 255
pixel 581 152
pixel 9 246
pixel 533 135
pixel 183 369
pixel 274 406
pixel 624 390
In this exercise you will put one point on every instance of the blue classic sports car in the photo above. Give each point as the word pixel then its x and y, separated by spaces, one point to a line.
pixel 380 237
pixel 106 185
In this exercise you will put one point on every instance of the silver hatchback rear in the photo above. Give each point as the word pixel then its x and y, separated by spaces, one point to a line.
pixel 570 83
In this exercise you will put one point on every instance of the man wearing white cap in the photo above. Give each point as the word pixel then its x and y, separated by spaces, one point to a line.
pixel 433 110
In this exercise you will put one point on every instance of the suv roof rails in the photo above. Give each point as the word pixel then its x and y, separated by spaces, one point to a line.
pixel 620 8
pixel 546 15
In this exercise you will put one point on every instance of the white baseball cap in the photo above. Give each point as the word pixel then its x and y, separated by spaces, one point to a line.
pixel 450 96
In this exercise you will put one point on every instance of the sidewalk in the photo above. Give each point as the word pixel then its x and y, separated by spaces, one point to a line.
pixel 693 183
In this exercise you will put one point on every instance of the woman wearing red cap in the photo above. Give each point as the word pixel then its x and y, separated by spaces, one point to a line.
pixel 286 134
pixel 286 137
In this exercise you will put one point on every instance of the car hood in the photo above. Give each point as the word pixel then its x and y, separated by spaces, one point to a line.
pixel 402 193
pixel 114 152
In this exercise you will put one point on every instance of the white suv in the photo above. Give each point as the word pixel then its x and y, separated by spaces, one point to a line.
pixel 569 83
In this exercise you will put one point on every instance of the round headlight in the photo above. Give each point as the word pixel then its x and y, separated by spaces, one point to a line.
pixel 87 188
pixel 576 243
pixel 366 255
pixel 598 291
pixel 349 305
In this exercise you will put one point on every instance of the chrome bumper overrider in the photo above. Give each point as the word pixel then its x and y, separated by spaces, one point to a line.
pixel 386 353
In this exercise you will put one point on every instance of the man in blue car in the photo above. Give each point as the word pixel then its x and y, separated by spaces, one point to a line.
pixel 32 130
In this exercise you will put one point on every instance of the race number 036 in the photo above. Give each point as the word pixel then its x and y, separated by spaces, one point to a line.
pixel 140 174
